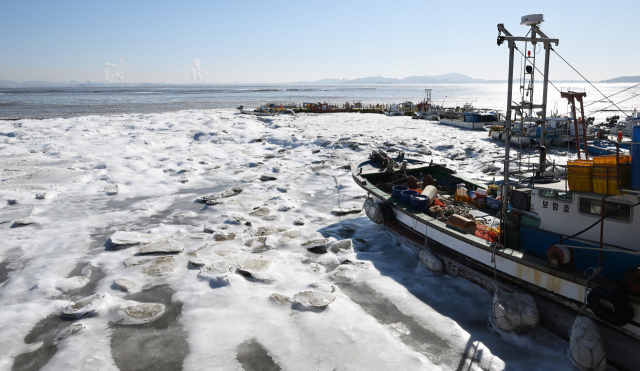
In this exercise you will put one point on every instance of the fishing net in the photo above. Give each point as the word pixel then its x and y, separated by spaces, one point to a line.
pixel 585 345
pixel 515 313
pixel 372 210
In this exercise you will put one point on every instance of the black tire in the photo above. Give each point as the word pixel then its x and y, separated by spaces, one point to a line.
pixel 500 136
pixel 387 211
pixel 622 312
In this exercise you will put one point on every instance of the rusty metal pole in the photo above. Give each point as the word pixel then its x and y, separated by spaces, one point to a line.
pixel 601 232
pixel 618 166
pixel 575 123
pixel 584 126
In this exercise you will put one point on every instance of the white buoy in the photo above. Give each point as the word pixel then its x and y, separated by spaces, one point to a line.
pixel 586 350
pixel 431 261
pixel 515 313
pixel 372 209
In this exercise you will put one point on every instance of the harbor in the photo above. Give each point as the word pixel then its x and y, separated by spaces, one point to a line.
pixel 244 210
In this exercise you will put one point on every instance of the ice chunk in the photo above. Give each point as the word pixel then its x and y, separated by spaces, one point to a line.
pixel 126 285
pixel 143 313
pixel 72 283
pixel 313 299
pixel 344 245
pixel 68 332
pixel 225 237
pixel 317 268
pixel 161 267
pixel 279 298
pixel 344 273
pixel 84 306
pixel 261 211
pixel 167 246
pixel 129 238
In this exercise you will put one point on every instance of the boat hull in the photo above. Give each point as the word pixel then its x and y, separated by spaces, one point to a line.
pixel 556 312
pixel 257 113
pixel 559 296
pixel 463 124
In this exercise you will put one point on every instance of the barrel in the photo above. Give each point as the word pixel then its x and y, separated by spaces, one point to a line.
pixel 431 192
pixel 397 190
pixel 635 158
pixel 462 224
pixel 405 196
pixel 419 202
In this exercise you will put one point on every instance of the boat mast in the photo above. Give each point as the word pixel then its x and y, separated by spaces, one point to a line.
pixel 530 20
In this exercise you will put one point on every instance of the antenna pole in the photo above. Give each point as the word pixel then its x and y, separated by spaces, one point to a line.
pixel 543 125
pixel 507 125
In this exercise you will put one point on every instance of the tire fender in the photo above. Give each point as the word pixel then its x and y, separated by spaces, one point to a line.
pixel 622 312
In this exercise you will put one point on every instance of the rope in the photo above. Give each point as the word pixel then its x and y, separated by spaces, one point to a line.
pixel 597 222
pixel 596 271
pixel 539 70
pixel 622 101
pixel 585 79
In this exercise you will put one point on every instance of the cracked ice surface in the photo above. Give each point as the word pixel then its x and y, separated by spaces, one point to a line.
pixel 225 296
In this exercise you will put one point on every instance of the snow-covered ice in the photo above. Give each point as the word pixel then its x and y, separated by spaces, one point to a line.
pixel 261 218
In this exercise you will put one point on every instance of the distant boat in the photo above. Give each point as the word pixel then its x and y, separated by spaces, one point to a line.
pixel 325 108
pixel 400 109
pixel 261 111
pixel 469 118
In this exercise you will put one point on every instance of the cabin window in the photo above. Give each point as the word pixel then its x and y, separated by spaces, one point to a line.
pixel 564 196
pixel 593 206
pixel 548 193
pixel 557 195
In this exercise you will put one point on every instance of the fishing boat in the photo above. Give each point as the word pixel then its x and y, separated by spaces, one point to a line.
pixel 400 109
pixel 628 124
pixel 426 110
pixel 571 245
pixel 602 147
pixel 526 132
pixel 260 111
pixel 468 117
pixel 325 108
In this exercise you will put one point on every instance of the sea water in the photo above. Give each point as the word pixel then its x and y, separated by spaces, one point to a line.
pixel 43 102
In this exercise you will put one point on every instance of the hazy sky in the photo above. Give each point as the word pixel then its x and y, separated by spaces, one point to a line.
pixel 283 41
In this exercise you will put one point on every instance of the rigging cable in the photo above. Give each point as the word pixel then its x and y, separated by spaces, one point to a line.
pixel 585 79
pixel 597 222
pixel 622 101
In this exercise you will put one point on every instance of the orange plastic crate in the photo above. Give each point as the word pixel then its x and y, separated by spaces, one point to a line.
pixel 610 160
pixel 601 172
pixel 580 166
pixel 610 187
pixel 580 183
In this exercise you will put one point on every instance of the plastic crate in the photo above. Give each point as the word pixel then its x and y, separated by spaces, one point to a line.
pixel 610 188
pixel 580 183
pixel 602 172
pixel 610 160
pixel 492 203
pixel 582 167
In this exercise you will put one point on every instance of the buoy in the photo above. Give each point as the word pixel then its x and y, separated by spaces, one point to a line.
pixel 372 210
pixel 515 313
pixel 432 262
pixel 610 306
pixel 558 255
pixel 586 350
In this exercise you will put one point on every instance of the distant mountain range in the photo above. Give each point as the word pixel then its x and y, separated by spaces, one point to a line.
pixel 449 78
pixel 455 78
pixel 624 79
